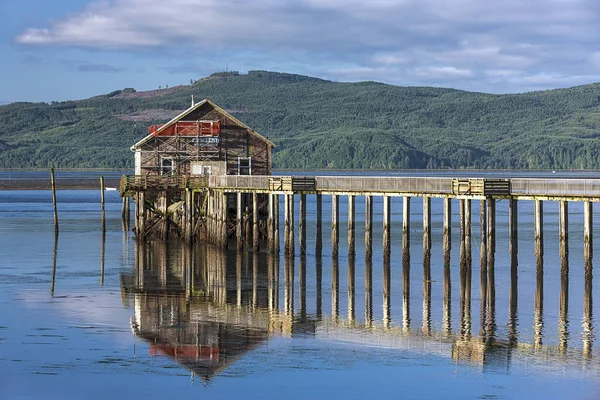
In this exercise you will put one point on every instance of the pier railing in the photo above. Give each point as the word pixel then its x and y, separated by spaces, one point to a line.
pixel 131 183
pixel 415 186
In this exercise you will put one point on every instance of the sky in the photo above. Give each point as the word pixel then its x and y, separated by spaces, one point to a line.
pixel 56 50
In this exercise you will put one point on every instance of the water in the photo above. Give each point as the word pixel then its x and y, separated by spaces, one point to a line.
pixel 87 317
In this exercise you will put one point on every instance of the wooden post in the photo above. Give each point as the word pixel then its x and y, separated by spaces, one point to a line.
pixel 141 206
pixel 302 223
pixel 239 236
pixel 102 203
pixel 53 184
pixel 386 228
pixel 538 229
pixel 538 209
pixel 587 233
pixel 406 262
pixel 335 219
pixel 483 281
pixel 462 254
pixel 426 239
pixel 447 229
pixel 387 319
pixel 491 247
pixel 513 243
pixel 255 238
pixel 563 213
pixel 270 225
pixel 351 226
pixel 368 227
pixel 276 247
pixel 319 227
pixel 289 245
pixel 468 231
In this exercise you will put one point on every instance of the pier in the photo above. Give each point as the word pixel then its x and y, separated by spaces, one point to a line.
pixel 251 212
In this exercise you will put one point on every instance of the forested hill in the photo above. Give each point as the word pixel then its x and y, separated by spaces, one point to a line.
pixel 322 124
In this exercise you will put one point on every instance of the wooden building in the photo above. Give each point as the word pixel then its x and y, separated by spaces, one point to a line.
pixel 203 140
pixel 172 168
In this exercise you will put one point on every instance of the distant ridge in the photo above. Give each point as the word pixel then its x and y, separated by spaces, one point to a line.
pixel 317 123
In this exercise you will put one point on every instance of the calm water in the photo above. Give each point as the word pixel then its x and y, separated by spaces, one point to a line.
pixel 87 317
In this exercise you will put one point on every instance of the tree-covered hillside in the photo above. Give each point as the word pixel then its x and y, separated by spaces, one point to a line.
pixel 322 124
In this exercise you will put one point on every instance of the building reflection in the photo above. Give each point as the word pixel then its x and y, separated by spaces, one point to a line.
pixel 206 307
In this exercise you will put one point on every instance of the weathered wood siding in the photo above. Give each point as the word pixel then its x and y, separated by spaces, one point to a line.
pixel 236 141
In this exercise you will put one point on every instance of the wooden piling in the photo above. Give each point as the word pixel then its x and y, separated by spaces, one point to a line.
pixel 239 235
pixel 587 233
pixel 102 203
pixel 483 272
pixel 406 262
pixel 563 217
pixel 335 219
pixel 319 227
pixel 386 228
pixel 302 226
pixel 141 210
pixel 462 253
pixel 368 227
pixel 276 239
pixel 538 229
pixel 491 258
pixel 426 239
pixel 290 225
pixel 447 229
pixel 255 237
pixel 53 185
pixel 270 225
pixel 468 233
pixel 351 226
pixel 513 248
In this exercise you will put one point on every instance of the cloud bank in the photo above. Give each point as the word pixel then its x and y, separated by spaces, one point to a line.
pixel 509 45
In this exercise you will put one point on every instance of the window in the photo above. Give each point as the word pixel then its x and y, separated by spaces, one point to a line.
pixel 167 166
pixel 244 166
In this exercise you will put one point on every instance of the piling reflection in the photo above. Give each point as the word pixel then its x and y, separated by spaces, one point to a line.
pixel 206 307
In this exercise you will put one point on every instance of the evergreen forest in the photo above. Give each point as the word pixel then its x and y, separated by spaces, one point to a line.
pixel 319 124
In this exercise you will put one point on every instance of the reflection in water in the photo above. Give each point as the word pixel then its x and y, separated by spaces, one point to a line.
pixel 205 308
pixel 103 251
pixel 54 252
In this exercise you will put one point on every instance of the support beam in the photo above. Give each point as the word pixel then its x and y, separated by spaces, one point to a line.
pixel 335 220
pixel 491 225
pixel 239 235
pixel 406 262
pixel 255 237
pixel 270 224
pixel 289 246
pixel 276 239
pixel 368 227
pixel 386 228
pixel 483 266
pixel 447 229
pixel 302 223
pixel 587 233
pixel 563 224
pixel 319 227
pixel 426 239
pixel 351 226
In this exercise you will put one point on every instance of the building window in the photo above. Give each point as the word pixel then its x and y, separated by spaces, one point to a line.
pixel 167 166
pixel 244 165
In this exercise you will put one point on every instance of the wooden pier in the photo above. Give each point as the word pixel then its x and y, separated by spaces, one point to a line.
pixel 245 211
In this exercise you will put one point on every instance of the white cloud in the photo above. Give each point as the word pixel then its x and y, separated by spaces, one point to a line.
pixel 431 41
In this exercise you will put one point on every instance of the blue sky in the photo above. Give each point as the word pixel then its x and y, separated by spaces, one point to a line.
pixel 72 49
